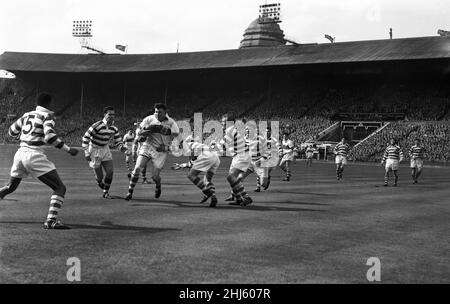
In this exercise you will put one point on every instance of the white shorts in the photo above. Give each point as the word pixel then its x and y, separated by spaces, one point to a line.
pixel 158 158
pixel 271 162
pixel 392 164
pixel 287 157
pixel 341 159
pixel 241 162
pixel 309 155
pixel 417 163
pixel 99 155
pixel 30 161
pixel 206 162
pixel 259 170
pixel 129 157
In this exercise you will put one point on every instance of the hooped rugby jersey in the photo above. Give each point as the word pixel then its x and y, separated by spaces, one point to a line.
pixel 37 128
pixel 393 152
pixel 100 134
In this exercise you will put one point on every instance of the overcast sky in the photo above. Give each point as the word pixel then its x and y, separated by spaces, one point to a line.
pixel 198 25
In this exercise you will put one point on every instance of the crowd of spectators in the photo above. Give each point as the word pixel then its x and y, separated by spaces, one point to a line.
pixel 434 136
pixel 304 129
pixel 302 112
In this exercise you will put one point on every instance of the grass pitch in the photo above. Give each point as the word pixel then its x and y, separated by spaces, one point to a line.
pixel 313 229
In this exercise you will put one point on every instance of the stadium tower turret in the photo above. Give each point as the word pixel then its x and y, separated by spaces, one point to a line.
pixel 261 32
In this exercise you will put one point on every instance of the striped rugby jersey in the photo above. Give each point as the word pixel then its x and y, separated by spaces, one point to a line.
pixel 416 152
pixel 257 148
pixel 234 141
pixel 342 149
pixel 393 152
pixel 195 147
pixel 100 134
pixel 272 143
pixel 272 147
pixel 36 128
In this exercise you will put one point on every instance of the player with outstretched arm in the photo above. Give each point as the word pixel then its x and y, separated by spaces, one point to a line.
pixel 35 129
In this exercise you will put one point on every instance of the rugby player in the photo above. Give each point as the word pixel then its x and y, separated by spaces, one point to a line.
pixel 286 152
pixel 35 129
pixel 341 150
pixel 234 140
pixel 159 130
pixel 202 160
pixel 309 155
pixel 416 153
pixel 135 148
pixel 392 158
pixel 96 146
pixel 127 141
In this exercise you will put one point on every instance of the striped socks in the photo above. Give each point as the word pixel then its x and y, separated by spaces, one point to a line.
pixel 208 190
pixel 258 182
pixel 133 181
pixel 238 189
pixel 56 202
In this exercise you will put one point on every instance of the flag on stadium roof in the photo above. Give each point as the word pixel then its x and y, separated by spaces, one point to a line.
pixel 330 38
pixel 121 48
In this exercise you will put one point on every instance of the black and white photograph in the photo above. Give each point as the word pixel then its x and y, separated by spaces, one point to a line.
pixel 225 146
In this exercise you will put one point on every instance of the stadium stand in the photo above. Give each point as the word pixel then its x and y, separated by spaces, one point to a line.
pixel 304 112
pixel 308 88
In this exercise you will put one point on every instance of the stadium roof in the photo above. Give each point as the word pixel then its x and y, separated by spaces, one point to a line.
pixel 344 52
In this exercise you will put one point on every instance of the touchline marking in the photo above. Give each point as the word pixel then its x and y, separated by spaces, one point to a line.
pixel 27 182
pixel 33 183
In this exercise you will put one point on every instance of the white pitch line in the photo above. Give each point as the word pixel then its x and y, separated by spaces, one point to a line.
pixel 33 183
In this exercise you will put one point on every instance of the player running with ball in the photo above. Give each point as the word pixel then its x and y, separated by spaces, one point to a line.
pixel 159 130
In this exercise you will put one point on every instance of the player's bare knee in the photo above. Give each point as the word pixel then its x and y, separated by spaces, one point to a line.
pixel 137 170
